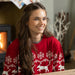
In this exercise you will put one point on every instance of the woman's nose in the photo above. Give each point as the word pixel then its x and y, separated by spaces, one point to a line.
pixel 41 21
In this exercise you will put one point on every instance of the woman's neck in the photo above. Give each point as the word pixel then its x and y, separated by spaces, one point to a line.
pixel 36 38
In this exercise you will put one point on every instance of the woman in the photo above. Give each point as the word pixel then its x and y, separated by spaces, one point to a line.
pixel 36 50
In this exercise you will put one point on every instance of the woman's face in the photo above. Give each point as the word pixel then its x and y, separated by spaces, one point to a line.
pixel 37 21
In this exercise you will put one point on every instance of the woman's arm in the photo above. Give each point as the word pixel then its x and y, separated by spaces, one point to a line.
pixel 58 57
pixel 11 59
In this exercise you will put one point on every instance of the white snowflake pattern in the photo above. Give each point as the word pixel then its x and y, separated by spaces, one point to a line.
pixel 15 60
pixel 14 72
pixel 60 61
pixel 53 68
pixel 19 69
pixel 12 65
pixel 8 66
pixel 8 59
pixel 40 55
pixel 34 55
pixel 61 67
pixel 49 54
pixel 55 56
pixel 60 56
pixel 5 73
pixel 33 68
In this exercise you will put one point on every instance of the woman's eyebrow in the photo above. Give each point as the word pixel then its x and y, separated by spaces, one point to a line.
pixel 39 17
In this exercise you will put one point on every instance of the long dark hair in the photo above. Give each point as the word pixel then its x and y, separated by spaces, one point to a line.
pixel 25 54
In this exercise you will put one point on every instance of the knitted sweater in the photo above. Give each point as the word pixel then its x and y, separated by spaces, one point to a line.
pixel 49 57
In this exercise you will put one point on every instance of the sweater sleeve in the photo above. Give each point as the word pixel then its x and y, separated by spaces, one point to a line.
pixel 58 56
pixel 11 59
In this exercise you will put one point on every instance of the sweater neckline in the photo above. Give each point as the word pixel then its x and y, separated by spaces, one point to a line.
pixel 38 41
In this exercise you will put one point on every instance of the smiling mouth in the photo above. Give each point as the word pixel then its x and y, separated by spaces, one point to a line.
pixel 40 28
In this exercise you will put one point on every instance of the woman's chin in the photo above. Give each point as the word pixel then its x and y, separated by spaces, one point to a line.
pixel 40 32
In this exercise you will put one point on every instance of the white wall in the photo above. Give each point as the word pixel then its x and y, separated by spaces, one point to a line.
pixel 73 13
pixel 73 24
pixel 50 12
pixel 62 4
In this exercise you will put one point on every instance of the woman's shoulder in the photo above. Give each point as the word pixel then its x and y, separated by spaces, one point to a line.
pixel 14 42
pixel 13 47
pixel 52 40
pixel 50 37
pixel 55 42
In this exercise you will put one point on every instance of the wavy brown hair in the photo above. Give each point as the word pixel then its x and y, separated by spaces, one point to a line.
pixel 25 54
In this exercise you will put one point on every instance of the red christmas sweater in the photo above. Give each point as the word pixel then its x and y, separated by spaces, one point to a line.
pixel 49 57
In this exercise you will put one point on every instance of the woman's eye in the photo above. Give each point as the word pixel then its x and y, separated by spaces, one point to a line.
pixel 44 18
pixel 40 19
pixel 36 19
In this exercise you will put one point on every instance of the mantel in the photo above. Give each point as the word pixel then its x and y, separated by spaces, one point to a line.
pixel 4 0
